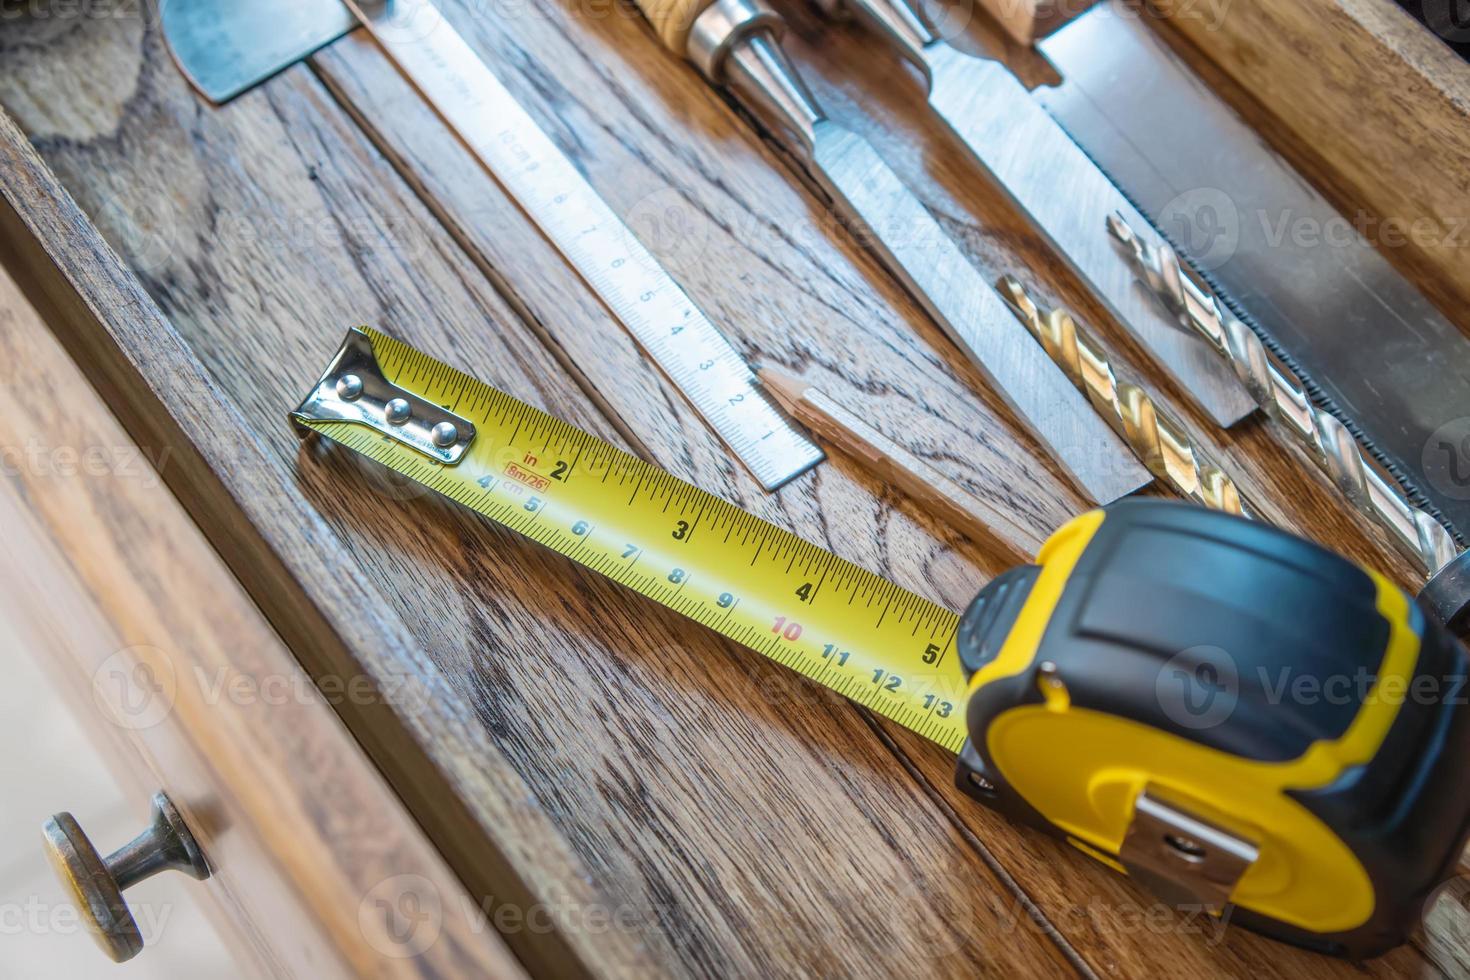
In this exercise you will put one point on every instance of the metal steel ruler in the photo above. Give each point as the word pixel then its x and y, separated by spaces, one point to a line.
pixel 546 185
pixel 763 587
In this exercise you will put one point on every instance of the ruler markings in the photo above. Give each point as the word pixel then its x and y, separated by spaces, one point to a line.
pixel 744 586
pixel 640 293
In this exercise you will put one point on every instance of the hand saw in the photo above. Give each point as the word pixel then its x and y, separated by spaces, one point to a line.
pixel 1131 130
pixel 224 47
pixel 1107 694
pixel 1364 343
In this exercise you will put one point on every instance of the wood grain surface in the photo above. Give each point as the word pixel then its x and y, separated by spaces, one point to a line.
pixel 1368 103
pixel 581 748
pixel 184 686
pixel 1028 20
pixel 672 19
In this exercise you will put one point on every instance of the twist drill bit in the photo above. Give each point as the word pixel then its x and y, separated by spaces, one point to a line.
pixel 1158 438
pixel 1415 533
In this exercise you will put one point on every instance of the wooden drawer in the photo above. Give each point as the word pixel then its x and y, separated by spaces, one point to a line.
pixel 317 869
pixel 643 783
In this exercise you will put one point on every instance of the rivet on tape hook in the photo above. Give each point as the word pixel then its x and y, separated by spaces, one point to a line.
pixel 354 389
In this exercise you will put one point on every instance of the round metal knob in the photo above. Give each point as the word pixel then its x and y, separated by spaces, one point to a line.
pixel 96 883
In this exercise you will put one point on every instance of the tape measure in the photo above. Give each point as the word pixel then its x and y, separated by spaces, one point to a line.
pixel 761 586
pixel 1137 691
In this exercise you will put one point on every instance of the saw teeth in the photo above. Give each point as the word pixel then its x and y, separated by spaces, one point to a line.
pixel 1336 449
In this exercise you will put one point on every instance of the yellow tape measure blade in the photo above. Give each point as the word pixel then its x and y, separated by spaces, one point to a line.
pixel 757 584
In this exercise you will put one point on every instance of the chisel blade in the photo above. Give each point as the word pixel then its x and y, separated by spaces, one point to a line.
pixel 224 49
pixel 1366 344
pixel 1069 200
pixel 951 289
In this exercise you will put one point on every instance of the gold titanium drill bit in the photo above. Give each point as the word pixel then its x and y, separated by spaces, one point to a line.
pixel 1415 533
pixel 1158 438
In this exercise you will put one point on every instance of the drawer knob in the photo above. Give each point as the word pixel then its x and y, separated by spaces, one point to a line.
pixel 96 883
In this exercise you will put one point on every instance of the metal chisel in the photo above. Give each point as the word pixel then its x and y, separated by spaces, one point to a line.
pixel 1066 196
pixel 734 44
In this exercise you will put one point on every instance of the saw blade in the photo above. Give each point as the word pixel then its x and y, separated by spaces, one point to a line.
pixel 1368 347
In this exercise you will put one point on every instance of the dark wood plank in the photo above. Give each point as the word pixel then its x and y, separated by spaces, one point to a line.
pixel 680 772
pixel 676 835
pixel 339 625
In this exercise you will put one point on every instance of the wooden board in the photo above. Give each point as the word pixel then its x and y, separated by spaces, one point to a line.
pixel 183 686
pixel 1366 102
pixel 589 746
pixel 1029 20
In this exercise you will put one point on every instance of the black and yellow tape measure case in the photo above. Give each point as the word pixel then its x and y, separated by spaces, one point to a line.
pixel 1234 717
pixel 1247 678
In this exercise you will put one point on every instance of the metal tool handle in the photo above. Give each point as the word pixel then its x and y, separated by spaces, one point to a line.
pixel 735 44
pixel 900 23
